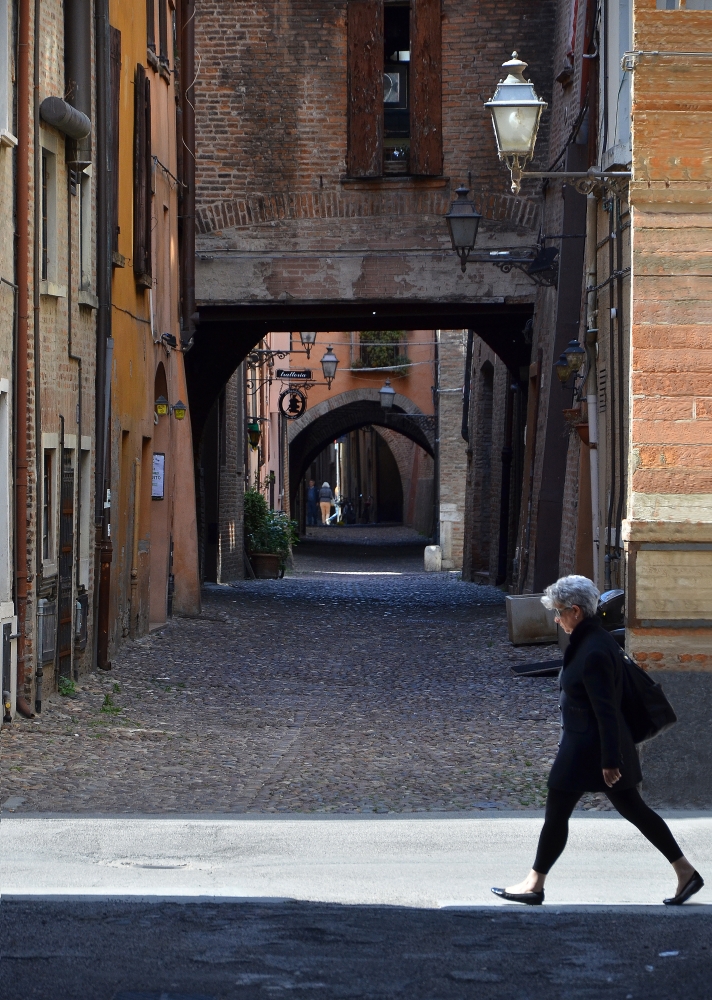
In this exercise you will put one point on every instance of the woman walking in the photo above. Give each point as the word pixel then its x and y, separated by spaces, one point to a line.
pixel 596 752
pixel 326 498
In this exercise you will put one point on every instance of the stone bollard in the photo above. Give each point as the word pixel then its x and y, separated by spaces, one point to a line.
pixel 433 559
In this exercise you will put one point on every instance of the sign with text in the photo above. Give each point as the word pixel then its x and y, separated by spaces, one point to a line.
pixel 295 374
pixel 159 476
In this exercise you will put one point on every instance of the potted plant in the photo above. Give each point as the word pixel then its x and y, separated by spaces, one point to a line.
pixel 269 536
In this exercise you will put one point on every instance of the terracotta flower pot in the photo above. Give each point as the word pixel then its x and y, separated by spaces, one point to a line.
pixel 266 565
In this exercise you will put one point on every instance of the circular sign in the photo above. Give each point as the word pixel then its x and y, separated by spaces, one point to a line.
pixel 292 402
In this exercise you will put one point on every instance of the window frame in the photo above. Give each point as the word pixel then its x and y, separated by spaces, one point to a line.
pixel 365 104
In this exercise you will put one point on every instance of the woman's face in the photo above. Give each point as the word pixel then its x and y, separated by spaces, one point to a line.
pixel 568 618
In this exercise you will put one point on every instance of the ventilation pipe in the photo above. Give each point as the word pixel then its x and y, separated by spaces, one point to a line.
pixel 64 117
pixel 77 77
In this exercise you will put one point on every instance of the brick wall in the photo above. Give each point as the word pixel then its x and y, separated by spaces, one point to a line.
pixel 669 527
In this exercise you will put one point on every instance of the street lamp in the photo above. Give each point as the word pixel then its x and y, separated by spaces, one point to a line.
pixel 328 365
pixel 162 406
pixel 179 410
pixel 387 395
pixel 516 111
pixel 576 355
pixel 308 339
pixel 570 361
pixel 463 220
pixel 253 433
pixel 562 370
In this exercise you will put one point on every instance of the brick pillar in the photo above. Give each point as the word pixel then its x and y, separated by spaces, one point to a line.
pixel 453 449
pixel 232 483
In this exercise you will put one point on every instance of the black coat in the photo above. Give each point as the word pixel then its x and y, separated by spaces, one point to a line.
pixel 594 733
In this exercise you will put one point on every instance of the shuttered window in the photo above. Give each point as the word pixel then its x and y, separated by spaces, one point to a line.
pixel 365 88
pixel 115 73
pixel 405 84
pixel 142 179
pixel 426 142
pixel 151 25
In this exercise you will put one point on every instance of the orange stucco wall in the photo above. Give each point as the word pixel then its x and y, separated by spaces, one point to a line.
pixel 145 527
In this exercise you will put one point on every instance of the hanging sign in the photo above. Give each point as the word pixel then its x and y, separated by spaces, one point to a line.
pixel 159 476
pixel 292 402
pixel 295 374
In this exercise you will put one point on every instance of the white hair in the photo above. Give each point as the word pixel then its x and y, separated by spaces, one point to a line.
pixel 325 484
pixel 570 590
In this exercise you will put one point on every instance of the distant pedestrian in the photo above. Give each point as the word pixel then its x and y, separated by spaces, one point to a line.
pixel 312 500
pixel 596 751
pixel 326 499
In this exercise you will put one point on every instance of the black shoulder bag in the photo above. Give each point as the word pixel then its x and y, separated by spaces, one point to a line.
pixel 645 708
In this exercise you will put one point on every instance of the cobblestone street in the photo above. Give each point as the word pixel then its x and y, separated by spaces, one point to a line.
pixel 321 692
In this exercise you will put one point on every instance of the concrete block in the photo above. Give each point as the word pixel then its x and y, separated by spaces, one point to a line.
pixel 529 621
pixel 433 559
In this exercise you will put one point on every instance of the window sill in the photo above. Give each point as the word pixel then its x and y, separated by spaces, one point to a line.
pixel 87 298
pixel 52 290
pixel 117 259
pixel 152 59
pixel 7 138
pixel 387 182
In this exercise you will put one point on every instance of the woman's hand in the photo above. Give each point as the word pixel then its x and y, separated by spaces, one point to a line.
pixel 611 775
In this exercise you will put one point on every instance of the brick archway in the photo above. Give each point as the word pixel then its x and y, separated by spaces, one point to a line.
pixel 346 412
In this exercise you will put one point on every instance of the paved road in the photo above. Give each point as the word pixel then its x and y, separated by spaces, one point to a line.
pixel 414 862
pixel 322 951
pixel 311 694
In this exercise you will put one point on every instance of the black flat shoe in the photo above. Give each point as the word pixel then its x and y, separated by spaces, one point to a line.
pixel 530 898
pixel 694 885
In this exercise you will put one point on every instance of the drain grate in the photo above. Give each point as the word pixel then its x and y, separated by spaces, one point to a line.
pixel 132 995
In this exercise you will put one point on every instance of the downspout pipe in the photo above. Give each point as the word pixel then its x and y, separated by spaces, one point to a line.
pixel 592 375
pixel 187 70
pixel 103 331
pixel 77 76
pixel 22 415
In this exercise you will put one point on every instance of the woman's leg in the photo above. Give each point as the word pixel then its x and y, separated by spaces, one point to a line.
pixel 654 828
pixel 552 839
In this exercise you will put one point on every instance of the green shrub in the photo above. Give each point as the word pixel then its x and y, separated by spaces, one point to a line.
pixel 267 530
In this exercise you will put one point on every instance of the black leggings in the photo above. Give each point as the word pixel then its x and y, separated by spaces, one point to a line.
pixel 560 805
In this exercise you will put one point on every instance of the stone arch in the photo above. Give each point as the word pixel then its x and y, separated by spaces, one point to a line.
pixel 348 411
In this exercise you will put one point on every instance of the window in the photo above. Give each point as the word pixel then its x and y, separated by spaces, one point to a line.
pixel 684 4
pixel 151 25
pixel 163 31
pixel 395 126
pixel 85 233
pixel 396 92
pixel 618 31
pixel 6 136
pixel 48 223
pixel 47 504
pixel 381 349
pixel 142 179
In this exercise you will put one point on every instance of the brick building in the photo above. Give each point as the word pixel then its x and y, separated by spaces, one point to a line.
pixel 322 189
pixel 620 462
pixel 95 146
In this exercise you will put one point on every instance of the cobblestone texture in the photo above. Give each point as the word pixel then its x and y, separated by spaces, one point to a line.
pixel 308 694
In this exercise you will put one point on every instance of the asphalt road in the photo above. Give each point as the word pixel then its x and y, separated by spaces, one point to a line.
pixel 145 951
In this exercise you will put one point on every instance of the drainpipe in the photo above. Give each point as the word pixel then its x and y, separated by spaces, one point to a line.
pixel 103 548
pixel 187 90
pixel 133 603
pixel 22 180
pixel 592 377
